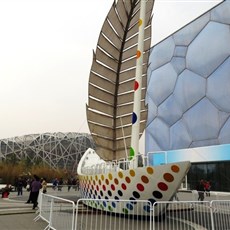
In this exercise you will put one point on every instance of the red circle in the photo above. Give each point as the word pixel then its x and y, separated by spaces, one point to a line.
pixel 103 186
pixel 140 187
pixel 113 187
pixel 162 186
pixel 123 186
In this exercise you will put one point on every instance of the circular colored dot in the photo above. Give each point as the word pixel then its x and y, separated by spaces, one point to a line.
pixel 101 193
pixel 129 206
pixel 145 179
pixel 116 181
pixel 133 200
pixel 113 187
pixel 132 173
pixel 97 187
pixel 120 193
pixel 123 186
pixel 102 177
pixel 157 194
pixel 162 186
pixel 116 198
pixel 140 187
pixel 96 178
pixel 175 168
pixel 91 177
pixel 114 204
pixel 138 53
pixel 152 201
pixel 107 181
pixel 136 85
pixel 136 195
pixel 168 177
pixel 146 208
pixel 103 186
pixel 109 193
pixel 104 203
pixel 106 197
pixel 127 179
pixel 99 182
pixel 110 176
pixel 140 22
pixel 150 170
pixel 125 210
pixel 110 208
pixel 120 174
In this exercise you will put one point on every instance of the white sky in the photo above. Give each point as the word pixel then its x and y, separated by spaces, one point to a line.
pixel 46 54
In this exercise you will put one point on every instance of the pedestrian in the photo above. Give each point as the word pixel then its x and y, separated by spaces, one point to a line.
pixel 201 190
pixel 19 186
pixel 29 183
pixel 35 187
pixel 6 191
pixel 207 187
pixel 69 184
pixel 60 184
pixel 44 185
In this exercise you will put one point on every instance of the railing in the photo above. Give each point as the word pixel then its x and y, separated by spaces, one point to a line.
pixel 112 215
pixel 115 166
pixel 56 211
pixel 87 214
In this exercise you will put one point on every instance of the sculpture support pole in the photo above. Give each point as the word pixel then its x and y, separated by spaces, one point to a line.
pixel 137 86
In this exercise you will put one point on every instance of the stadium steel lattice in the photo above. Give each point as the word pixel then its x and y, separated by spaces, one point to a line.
pixel 58 150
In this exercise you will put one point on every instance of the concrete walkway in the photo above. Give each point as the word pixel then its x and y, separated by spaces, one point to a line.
pixel 15 214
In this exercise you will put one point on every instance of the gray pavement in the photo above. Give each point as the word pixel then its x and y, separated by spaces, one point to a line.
pixel 15 214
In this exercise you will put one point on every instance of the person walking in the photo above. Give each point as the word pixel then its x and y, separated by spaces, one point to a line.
pixel 201 190
pixel 35 187
pixel 44 185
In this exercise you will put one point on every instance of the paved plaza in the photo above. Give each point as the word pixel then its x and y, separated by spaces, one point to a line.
pixel 15 214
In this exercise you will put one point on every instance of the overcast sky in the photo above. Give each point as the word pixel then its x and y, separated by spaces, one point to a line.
pixel 46 54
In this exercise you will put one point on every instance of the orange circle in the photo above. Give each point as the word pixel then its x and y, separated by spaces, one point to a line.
pixel 150 170
pixel 127 179
pixel 145 179
pixel 132 173
pixel 116 181
pixel 168 177
pixel 138 53
pixel 175 168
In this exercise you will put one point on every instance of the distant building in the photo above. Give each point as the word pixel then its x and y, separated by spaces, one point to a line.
pixel 58 150
pixel 188 97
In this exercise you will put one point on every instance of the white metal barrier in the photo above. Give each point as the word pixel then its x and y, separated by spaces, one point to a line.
pixel 97 214
pixel 113 215
pixel 220 214
pixel 182 215
pixel 57 212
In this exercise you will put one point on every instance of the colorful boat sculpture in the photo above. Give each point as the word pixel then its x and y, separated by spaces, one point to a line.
pixel 116 115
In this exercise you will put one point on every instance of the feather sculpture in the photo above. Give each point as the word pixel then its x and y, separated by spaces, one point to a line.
pixel 112 77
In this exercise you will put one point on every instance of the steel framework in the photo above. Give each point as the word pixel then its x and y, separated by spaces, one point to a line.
pixel 58 150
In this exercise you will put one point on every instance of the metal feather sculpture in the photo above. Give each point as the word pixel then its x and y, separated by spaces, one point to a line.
pixel 112 77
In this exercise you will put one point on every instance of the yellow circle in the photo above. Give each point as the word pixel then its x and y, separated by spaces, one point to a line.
pixel 120 174
pixel 150 170
pixel 102 177
pixel 110 176
pixel 132 173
